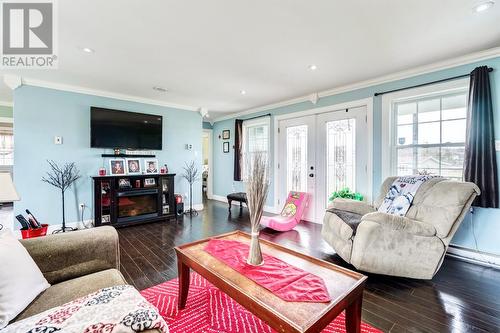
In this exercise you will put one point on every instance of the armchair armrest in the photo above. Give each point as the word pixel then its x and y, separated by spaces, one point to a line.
pixel 65 256
pixel 353 206
pixel 400 223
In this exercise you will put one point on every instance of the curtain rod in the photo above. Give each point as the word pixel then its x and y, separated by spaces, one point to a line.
pixel 428 83
pixel 264 115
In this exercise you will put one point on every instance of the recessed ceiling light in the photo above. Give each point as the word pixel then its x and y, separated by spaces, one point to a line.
pixel 482 6
pixel 160 89
pixel 243 92
pixel 313 67
pixel 88 50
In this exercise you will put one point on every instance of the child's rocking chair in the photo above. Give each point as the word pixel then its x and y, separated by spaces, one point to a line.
pixel 290 215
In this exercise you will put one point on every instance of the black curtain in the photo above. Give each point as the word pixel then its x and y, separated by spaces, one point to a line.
pixel 480 156
pixel 238 133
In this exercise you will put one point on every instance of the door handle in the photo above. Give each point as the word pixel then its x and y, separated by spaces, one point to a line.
pixel 311 175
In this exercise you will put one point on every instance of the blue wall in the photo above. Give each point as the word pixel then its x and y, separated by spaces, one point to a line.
pixel 486 221
pixel 40 114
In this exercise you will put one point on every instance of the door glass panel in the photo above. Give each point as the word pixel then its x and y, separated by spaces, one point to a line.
pixel 341 155
pixel 296 158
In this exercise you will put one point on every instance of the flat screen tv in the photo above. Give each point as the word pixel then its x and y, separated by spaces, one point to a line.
pixel 122 129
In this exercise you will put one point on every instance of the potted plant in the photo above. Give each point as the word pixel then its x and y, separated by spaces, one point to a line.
pixel 345 193
pixel 257 186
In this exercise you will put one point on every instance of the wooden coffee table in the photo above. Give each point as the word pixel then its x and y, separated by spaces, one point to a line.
pixel 345 287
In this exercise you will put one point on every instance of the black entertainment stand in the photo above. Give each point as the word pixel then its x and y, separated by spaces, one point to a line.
pixel 132 199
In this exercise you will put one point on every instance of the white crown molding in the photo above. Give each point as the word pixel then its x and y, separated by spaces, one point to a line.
pixel 94 92
pixel 12 81
pixel 425 69
pixel 262 108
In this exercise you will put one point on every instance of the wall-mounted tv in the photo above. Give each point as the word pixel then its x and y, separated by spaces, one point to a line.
pixel 122 129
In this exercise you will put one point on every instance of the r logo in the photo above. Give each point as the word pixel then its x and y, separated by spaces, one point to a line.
pixel 27 28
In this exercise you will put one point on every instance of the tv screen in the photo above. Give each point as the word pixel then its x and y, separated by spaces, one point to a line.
pixel 121 129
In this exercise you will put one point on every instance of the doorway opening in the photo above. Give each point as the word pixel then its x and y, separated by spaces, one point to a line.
pixel 206 155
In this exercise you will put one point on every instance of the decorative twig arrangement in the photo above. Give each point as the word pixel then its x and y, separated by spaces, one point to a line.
pixel 62 178
pixel 257 187
pixel 191 174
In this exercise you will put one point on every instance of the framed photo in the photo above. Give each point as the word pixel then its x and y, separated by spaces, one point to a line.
pixel 117 166
pixel 225 147
pixel 151 165
pixel 149 182
pixel 124 183
pixel 133 166
pixel 226 134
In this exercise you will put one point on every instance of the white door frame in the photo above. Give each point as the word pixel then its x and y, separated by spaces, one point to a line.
pixel 311 183
pixel 210 183
pixel 366 102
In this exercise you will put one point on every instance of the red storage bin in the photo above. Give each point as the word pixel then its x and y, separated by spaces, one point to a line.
pixel 30 233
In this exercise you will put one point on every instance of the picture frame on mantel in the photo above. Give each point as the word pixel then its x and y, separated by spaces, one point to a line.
pixel 226 134
pixel 133 166
pixel 225 147
pixel 117 166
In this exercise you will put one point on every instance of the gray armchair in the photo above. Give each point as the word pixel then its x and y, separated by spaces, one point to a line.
pixel 412 246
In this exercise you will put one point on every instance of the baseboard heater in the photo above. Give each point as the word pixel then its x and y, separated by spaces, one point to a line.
pixel 473 256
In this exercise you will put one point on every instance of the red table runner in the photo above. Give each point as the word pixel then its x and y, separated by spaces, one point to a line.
pixel 285 281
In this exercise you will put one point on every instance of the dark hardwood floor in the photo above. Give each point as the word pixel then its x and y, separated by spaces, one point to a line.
pixel 462 297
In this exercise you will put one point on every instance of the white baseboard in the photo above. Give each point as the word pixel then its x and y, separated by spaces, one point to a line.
pixel 475 257
pixel 196 206
pixel 267 209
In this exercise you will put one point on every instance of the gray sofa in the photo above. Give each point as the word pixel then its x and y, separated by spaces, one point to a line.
pixel 75 264
pixel 412 246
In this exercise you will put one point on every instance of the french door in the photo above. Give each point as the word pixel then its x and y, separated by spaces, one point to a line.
pixel 320 154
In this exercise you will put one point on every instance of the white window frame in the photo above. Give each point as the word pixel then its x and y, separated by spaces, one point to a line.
pixel 388 120
pixel 9 130
pixel 247 124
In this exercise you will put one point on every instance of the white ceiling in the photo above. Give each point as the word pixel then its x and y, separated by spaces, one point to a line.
pixel 205 52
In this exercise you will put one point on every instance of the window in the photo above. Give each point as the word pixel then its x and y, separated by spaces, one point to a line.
pixel 6 146
pixel 430 134
pixel 255 140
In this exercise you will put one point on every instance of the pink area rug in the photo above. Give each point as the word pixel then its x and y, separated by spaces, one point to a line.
pixel 210 310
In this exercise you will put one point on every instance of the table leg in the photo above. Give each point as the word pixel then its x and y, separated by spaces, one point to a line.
pixel 229 201
pixel 183 271
pixel 353 316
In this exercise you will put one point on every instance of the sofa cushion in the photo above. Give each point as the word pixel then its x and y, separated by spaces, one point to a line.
pixel 21 281
pixel 351 219
pixel 66 291
pixel 353 206
pixel 442 204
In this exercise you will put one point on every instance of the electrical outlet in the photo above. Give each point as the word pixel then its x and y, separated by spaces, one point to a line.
pixel 82 206
pixel 58 140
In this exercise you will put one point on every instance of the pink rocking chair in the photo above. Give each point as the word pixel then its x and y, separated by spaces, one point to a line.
pixel 290 215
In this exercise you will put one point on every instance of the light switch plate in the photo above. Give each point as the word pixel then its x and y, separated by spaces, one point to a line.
pixel 58 140
pixel 497 145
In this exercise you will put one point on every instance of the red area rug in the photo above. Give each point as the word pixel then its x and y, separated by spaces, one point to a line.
pixel 210 310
